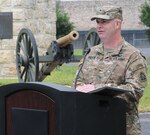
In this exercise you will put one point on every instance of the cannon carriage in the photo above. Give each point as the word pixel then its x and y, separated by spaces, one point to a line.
pixel 59 52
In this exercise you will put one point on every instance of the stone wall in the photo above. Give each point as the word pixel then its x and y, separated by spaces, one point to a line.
pixel 37 15
pixel 80 12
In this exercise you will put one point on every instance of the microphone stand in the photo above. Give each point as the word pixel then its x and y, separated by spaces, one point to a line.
pixel 87 52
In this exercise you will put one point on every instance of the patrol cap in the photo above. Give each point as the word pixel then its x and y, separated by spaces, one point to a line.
pixel 108 13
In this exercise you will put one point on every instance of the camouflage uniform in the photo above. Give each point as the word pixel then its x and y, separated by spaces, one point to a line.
pixel 122 67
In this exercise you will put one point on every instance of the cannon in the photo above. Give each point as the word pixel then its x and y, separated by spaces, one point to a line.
pixel 28 60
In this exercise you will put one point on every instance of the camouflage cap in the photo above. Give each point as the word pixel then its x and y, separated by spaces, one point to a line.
pixel 108 13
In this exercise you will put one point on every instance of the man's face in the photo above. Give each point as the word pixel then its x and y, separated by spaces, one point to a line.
pixel 106 28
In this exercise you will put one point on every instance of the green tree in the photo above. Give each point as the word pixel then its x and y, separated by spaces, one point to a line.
pixel 63 24
pixel 145 15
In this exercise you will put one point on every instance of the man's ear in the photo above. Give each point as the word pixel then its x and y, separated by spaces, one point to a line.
pixel 118 23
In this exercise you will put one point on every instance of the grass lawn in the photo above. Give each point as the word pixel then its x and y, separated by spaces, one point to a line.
pixel 145 100
pixel 78 52
pixel 65 75
pixel 62 75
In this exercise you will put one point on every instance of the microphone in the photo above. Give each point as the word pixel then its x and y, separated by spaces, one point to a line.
pixel 86 53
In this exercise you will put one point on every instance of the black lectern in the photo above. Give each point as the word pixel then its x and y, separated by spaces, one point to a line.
pixel 50 109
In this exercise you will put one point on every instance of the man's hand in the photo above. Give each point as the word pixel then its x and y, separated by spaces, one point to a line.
pixel 85 88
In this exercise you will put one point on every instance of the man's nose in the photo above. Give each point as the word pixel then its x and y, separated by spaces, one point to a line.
pixel 99 25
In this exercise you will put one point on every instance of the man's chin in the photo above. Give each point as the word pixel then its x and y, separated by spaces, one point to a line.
pixel 101 36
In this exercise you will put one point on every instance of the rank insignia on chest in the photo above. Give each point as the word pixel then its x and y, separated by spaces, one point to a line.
pixel 92 57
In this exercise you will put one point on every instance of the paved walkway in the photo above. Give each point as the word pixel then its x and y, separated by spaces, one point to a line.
pixel 145 123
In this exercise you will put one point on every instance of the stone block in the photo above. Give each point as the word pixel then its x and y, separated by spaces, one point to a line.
pixel 4 3
pixel 7 56
pixel 17 26
pixel 18 14
pixel 9 70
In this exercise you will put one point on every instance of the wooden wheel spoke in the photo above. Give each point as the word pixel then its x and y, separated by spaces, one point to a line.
pixel 28 76
pixel 97 40
pixel 23 72
pixel 21 48
pixel 30 47
pixel 25 78
pixel 31 71
pixel 91 39
pixel 25 46
pixel 31 52
pixel 94 38
pixel 88 43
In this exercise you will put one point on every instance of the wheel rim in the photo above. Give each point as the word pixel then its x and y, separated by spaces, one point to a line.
pixel 27 60
pixel 91 39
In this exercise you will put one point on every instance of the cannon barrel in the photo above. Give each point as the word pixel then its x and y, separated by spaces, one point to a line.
pixel 63 41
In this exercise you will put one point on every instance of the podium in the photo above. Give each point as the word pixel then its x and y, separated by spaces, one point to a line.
pixel 51 109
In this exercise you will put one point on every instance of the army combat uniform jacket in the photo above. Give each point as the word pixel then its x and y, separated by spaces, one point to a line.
pixel 123 67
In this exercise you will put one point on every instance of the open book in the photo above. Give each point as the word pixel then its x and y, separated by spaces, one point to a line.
pixel 108 91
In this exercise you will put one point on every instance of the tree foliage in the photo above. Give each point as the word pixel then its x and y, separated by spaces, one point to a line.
pixel 63 24
pixel 145 15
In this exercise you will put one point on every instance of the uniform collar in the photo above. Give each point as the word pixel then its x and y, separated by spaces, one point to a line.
pixel 115 51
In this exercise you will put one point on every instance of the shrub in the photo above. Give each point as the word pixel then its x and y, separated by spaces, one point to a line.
pixel 63 24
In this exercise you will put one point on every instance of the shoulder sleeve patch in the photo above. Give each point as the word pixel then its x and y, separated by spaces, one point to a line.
pixel 142 77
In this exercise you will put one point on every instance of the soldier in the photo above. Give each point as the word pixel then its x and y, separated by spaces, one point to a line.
pixel 115 63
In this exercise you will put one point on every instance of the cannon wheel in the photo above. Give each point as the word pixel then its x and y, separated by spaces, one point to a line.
pixel 91 39
pixel 27 60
